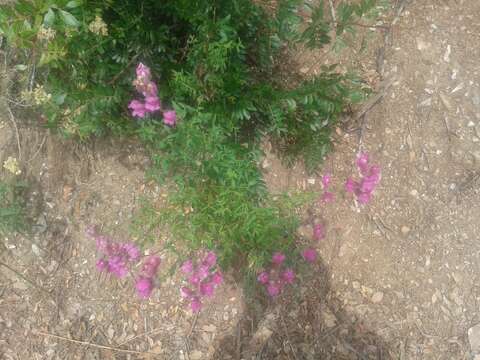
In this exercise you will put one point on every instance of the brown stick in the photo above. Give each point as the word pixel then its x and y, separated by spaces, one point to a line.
pixel 98 346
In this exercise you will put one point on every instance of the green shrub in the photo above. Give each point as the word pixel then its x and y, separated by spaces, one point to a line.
pixel 217 64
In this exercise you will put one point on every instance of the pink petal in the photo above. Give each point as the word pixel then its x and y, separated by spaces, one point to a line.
pixel 350 185
pixel 152 103
pixel 170 117
pixel 143 71
pixel 206 289
pixel 362 163
pixel 364 198
pixel 187 267
pixel 217 278
pixel 288 276
pixel 326 179
pixel 144 287
pixel 273 289
pixel 196 305
pixel 278 258
pixel 310 255
pixel 150 266
pixel 210 259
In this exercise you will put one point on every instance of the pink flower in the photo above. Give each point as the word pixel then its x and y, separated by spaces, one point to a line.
pixel 137 108
pixel 263 278
pixel 187 267
pixel 196 305
pixel 101 265
pixel 186 292
pixel 143 72
pixel 203 271
pixel 150 266
pixel 170 117
pixel 149 90
pixel 318 232
pixel 278 258
pixel 217 278
pixel 206 289
pixel 273 289
pixel 144 287
pixel 117 266
pixel 326 179
pixel 152 103
pixel 132 251
pixel 210 259
pixel 362 163
pixel 310 255
pixel 194 279
pixel 328 197
pixel 288 276
pixel 350 185
pixel 364 198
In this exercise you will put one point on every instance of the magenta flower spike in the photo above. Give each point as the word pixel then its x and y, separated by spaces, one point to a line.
pixel 187 267
pixel 138 108
pixel 217 278
pixel 152 104
pixel 362 163
pixel 170 118
pixel 278 258
pixel 144 287
pixel 143 72
pixel 207 288
pixel 210 259
pixel 263 278
pixel 309 255
pixel 288 276
pixel 273 289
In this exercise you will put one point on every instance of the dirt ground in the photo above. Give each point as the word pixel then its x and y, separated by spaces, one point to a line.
pixel 397 279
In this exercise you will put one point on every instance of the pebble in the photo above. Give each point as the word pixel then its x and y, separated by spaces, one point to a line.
pixel 474 339
pixel 377 297
pixel 405 229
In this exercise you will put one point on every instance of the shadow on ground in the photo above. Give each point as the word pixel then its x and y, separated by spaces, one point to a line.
pixel 307 322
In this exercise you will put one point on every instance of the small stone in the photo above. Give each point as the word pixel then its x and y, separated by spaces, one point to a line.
pixel 474 338
pixel 377 297
pixel 405 229
pixel 414 192
pixel 356 285
pixel 196 355
pixel 311 181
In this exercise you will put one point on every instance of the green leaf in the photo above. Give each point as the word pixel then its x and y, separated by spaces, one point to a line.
pixel 69 19
pixel 73 4
pixel 49 18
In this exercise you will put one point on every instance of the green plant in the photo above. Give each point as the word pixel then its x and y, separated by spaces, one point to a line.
pixel 12 207
pixel 218 64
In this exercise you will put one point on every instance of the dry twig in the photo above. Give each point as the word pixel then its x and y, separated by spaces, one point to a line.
pixel 98 346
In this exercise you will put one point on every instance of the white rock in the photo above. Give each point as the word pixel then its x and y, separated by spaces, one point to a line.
pixel 377 297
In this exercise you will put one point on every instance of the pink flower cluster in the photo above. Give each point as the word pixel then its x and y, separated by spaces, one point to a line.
pixel 327 196
pixel 118 259
pixel 144 283
pixel 276 279
pixel 370 178
pixel 151 102
pixel 203 278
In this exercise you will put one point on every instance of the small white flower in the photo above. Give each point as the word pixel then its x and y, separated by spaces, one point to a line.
pixel 45 34
pixel 11 164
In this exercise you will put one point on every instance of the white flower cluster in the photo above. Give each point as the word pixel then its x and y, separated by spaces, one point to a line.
pixel 45 34
pixel 98 26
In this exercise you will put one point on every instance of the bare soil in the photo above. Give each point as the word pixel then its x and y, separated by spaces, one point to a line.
pixel 397 279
